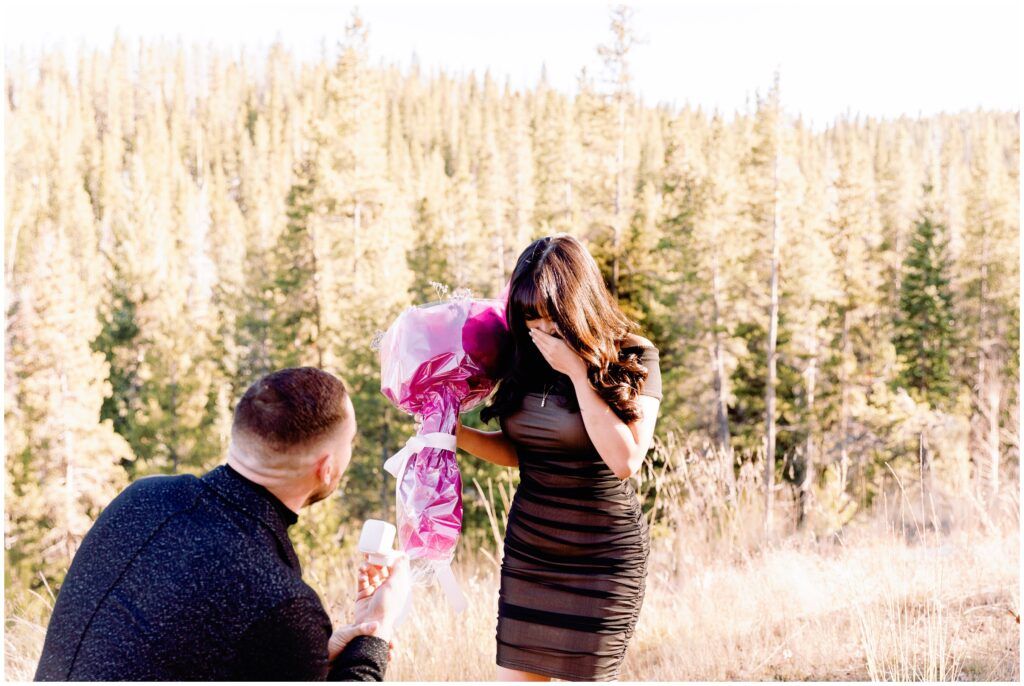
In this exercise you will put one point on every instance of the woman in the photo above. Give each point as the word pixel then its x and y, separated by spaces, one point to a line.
pixel 577 411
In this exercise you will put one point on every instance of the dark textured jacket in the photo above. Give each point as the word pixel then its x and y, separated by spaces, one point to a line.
pixel 186 578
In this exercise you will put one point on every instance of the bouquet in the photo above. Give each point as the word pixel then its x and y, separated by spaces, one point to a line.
pixel 438 360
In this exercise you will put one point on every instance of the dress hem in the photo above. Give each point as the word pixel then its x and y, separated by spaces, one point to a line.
pixel 555 674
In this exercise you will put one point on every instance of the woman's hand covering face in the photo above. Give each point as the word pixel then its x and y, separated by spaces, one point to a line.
pixel 558 354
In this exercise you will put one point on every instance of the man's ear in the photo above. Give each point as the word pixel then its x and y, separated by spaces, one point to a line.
pixel 324 468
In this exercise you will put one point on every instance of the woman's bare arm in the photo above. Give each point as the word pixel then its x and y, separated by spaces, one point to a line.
pixel 491 446
pixel 622 446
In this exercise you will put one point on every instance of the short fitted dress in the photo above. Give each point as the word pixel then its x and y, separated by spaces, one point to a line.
pixel 576 546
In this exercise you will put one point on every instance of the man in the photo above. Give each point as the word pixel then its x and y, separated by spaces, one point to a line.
pixel 186 578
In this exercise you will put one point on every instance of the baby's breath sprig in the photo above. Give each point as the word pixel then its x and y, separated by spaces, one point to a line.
pixel 440 288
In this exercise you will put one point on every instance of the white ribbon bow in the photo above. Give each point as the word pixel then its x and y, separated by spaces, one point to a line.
pixel 395 465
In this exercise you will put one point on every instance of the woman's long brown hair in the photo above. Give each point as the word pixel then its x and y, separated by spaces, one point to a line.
pixel 556 277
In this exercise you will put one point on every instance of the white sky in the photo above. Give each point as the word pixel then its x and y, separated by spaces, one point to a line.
pixel 874 57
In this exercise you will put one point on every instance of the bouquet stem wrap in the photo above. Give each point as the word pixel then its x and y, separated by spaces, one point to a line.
pixel 436 361
pixel 395 465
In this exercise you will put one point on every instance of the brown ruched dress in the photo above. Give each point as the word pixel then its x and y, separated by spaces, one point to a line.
pixel 576 547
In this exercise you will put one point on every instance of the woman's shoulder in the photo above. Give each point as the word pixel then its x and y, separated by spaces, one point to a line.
pixel 635 341
pixel 647 353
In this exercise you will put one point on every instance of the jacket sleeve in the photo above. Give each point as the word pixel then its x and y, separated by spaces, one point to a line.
pixel 289 643
pixel 363 659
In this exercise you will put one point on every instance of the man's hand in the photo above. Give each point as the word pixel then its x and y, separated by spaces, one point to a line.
pixel 375 612
pixel 343 635
pixel 381 595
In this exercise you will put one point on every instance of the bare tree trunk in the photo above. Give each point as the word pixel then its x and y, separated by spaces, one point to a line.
pixel 568 202
pixel 615 59
pixel 316 296
pixel 993 435
pixel 12 253
pixel 70 476
pixel 174 412
pixel 773 326
pixel 499 245
pixel 721 413
pixel 925 459
pixel 357 230
pixel 620 163
pixel 988 388
pixel 844 408
pixel 200 162
pixel 810 448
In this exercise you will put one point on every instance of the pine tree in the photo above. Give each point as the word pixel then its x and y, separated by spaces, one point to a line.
pixel 748 409
pixel 807 293
pixel 593 182
pixel 925 335
pixel 520 194
pixel 765 214
pixel 428 264
pixel 988 275
pixel 721 253
pixel 860 349
pixel 155 333
pixel 63 463
pixel 295 316
pixel 899 190
pixel 551 133
pixel 615 57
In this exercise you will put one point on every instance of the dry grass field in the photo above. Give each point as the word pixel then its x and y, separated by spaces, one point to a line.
pixel 885 601
pixel 870 608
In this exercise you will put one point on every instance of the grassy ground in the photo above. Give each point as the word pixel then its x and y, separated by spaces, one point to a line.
pixel 880 602
pixel 866 610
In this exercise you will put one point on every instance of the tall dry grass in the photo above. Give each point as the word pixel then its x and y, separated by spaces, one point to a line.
pixel 905 592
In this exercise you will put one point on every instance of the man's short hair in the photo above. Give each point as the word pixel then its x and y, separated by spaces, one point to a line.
pixel 291 408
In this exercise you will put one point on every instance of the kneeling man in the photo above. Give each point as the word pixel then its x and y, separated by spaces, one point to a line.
pixel 188 578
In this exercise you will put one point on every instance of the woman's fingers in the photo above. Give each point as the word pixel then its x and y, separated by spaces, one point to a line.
pixel 545 344
pixel 558 354
pixel 539 340
pixel 544 341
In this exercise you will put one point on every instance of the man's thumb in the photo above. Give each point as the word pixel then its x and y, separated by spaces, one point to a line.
pixel 343 635
pixel 353 630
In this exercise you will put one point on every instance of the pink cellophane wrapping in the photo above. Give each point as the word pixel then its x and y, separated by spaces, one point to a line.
pixel 439 360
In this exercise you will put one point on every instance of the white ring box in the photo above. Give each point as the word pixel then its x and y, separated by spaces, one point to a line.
pixel 377 540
